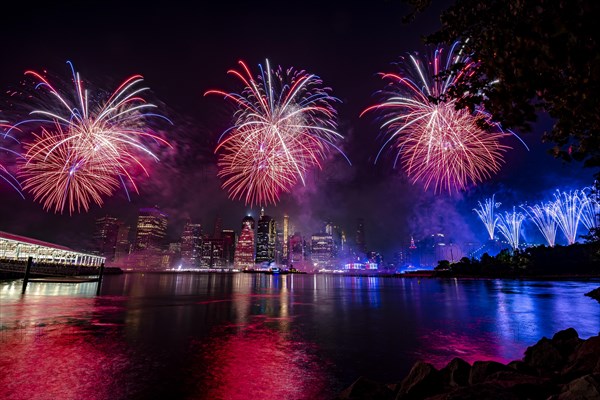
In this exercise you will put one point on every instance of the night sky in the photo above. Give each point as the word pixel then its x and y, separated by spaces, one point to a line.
pixel 184 49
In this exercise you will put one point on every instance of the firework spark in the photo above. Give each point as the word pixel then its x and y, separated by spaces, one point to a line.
pixel 85 151
pixel 486 214
pixel 436 143
pixel 284 126
pixel 567 209
pixel 543 216
pixel 590 212
pixel 5 174
pixel 509 225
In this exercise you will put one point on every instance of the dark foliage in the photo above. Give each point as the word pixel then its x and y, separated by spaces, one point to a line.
pixel 544 56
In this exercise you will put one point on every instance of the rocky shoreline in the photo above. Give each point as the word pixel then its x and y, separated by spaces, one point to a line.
pixel 564 367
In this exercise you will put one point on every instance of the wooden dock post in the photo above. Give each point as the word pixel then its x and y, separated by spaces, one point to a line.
pixel 27 272
pixel 100 279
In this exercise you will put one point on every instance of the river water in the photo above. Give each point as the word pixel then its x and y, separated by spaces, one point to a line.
pixel 254 336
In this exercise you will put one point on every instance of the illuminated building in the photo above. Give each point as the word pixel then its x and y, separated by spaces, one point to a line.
pixel 16 248
pixel 244 250
pixel 191 245
pixel 361 244
pixel 150 236
pixel 229 240
pixel 322 250
pixel 105 237
pixel 123 246
pixel 213 253
pixel 151 229
pixel 296 250
pixel 285 239
pixel 218 228
pixel 265 238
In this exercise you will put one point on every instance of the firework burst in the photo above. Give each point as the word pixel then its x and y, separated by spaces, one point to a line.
pixel 486 214
pixel 437 144
pixel 567 209
pixel 509 225
pixel 543 216
pixel 5 174
pixel 590 212
pixel 284 126
pixel 85 151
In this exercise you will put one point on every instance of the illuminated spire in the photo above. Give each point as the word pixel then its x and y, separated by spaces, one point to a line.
pixel 412 244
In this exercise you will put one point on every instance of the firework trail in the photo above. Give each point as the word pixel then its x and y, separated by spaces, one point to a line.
pixel 436 143
pixel 85 151
pixel 486 214
pixel 5 174
pixel 543 217
pixel 509 225
pixel 590 211
pixel 284 126
pixel 567 209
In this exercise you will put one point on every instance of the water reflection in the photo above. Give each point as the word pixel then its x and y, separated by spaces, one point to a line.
pixel 233 336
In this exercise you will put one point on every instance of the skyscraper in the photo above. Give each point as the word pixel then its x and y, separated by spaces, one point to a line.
pixel 322 250
pixel 296 250
pixel 149 238
pixel 244 250
pixel 265 238
pixel 105 237
pixel 229 240
pixel 361 245
pixel 123 246
pixel 191 245
pixel 285 239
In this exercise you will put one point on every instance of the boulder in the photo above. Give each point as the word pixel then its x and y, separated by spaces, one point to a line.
pixel 423 380
pixel 477 392
pixel 584 388
pixel 482 369
pixel 366 389
pixel 520 366
pixel 544 357
pixel 584 361
pixel 456 373
pixel 566 342
pixel 524 386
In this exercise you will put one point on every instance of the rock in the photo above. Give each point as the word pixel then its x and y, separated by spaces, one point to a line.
pixel 456 373
pixel 477 392
pixel 594 294
pixel 566 342
pixel 520 366
pixel 524 386
pixel 423 380
pixel 544 357
pixel 585 388
pixel 483 369
pixel 367 389
pixel 585 360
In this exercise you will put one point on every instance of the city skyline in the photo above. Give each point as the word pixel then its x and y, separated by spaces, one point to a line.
pixel 185 183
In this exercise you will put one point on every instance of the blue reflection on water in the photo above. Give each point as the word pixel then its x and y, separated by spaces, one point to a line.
pixel 157 330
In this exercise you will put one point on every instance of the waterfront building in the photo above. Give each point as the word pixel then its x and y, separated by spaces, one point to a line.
pixel 285 240
pixel 123 246
pixel 213 253
pixel 191 245
pixel 361 244
pixel 265 238
pixel 16 248
pixel 296 250
pixel 229 241
pixel 322 250
pixel 105 237
pixel 150 236
pixel 244 249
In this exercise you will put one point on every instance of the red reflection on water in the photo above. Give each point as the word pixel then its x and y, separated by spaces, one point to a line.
pixel 59 357
pixel 259 362
pixel 439 347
